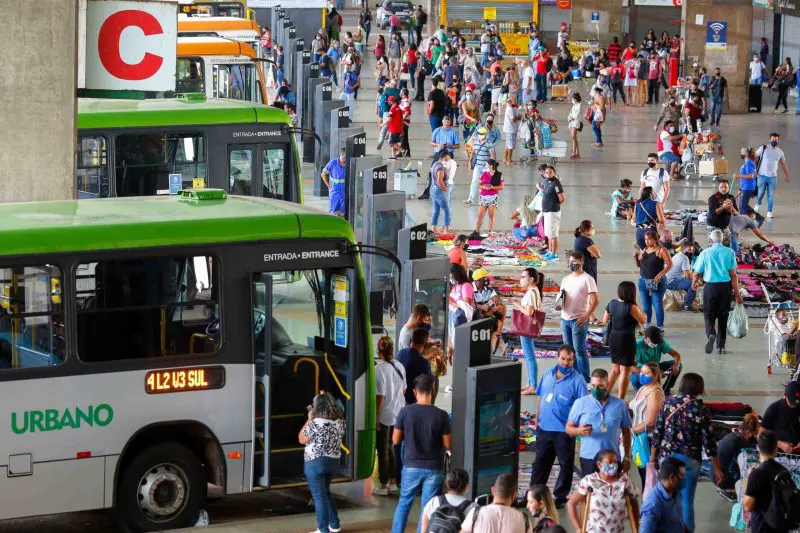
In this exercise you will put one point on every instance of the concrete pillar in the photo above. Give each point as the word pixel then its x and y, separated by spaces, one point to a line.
pixel 734 61
pixel 611 14
pixel 37 100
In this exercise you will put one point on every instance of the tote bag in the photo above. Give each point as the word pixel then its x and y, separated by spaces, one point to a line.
pixel 526 325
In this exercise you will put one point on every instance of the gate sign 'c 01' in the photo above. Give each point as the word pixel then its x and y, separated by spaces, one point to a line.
pixel 131 45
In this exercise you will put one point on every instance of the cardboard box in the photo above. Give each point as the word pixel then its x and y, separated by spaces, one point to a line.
pixel 559 91
pixel 721 166
pixel 713 167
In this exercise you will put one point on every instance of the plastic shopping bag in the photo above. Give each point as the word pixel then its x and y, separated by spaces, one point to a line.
pixel 651 478
pixel 737 322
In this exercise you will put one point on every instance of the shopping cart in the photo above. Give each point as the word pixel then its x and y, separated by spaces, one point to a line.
pixel 780 344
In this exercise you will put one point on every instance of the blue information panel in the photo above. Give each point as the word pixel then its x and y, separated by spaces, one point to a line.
pixel 595 16
pixel 716 35
pixel 175 183
pixel 340 338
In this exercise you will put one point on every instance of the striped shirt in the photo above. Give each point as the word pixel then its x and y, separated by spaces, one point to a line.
pixel 483 151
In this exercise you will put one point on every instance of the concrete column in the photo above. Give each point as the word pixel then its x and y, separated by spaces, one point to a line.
pixel 734 61
pixel 37 100
pixel 611 14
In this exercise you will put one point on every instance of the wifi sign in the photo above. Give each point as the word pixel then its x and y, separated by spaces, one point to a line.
pixel 716 35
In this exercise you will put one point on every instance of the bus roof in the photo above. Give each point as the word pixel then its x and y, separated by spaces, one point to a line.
pixel 31 228
pixel 215 23
pixel 102 113
pixel 213 46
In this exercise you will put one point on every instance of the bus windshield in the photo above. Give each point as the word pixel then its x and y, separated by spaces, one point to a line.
pixel 190 77
pixel 153 163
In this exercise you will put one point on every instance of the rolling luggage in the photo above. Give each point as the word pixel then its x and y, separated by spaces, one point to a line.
pixel 754 99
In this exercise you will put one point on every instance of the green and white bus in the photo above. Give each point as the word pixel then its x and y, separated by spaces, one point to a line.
pixel 156 146
pixel 153 347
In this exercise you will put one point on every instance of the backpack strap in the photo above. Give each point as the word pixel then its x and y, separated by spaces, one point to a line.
pixel 760 158
pixel 475 516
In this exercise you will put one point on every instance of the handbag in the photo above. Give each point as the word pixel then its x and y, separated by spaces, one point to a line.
pixel 640 449
pixel 526 325
pixel 651 478
pixel 589 115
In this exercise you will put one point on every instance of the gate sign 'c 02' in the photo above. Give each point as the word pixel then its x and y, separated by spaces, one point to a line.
pixel 131 45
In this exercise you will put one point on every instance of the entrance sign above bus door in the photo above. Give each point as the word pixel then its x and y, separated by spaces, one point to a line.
pixel 131 45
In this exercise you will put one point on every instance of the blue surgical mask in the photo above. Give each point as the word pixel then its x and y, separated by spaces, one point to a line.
pixel 565 370
pixel 773 143
pixel 609 469
pixel 427 327
pixel 645 380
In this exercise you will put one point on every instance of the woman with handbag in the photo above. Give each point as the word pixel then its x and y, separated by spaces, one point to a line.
pixel 599 116
pixel 532 281
pixel 622 316
pixel 645 406
pixel 654 262
pixel 782 82
pixel 461 300
pixel 647 215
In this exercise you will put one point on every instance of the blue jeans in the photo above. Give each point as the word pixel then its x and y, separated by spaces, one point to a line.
pixel 598 133
pixel 766 184
pixel 435 122
pixel 413 478
pixel 540 81
pixel 734 243
pixel 651 300
pixel 716 110
pixel 575 336
pixel 640 236
pixel 440 202
pixel 529 349
pixel 412 69
pixel 524 232
pixel 317 57
pixel 744 200
pixel 687 494
pixel 279 75
pixel 319 473
pixel 484 59
pixel 683 284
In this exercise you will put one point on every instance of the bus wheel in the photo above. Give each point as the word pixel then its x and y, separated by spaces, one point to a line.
pixel 163 487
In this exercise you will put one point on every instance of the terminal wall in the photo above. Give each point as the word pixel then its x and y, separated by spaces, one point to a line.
pixel 37 99
pixel 610 25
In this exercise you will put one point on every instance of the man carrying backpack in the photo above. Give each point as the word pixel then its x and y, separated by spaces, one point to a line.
pixel 500 515
pixel 657 178
pixel 771 497
pixel 446 513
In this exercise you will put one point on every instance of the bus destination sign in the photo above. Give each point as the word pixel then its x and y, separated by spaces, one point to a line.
pixel 184 379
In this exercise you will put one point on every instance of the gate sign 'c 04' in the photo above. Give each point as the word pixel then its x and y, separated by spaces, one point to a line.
pixel 131 45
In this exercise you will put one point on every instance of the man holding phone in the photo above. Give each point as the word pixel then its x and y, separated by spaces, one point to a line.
pixel 599 419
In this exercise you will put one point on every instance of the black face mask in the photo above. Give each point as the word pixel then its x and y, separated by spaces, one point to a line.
pixel 651 164
pixel 574 267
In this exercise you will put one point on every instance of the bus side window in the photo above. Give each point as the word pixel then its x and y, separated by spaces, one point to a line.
pixel 91 174
pixel 149 307
pixel 31 322
pixel 189 75
pixel 274 173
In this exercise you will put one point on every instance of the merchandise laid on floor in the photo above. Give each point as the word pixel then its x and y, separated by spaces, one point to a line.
pixel 680 216
pixel 527 431
pixel 782 291
pixel 500 249
pixel 759 257
pixel 548 343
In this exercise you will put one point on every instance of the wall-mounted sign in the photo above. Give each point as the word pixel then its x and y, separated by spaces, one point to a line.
pixel 716 35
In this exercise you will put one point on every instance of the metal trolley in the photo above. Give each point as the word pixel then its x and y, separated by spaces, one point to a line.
pixel 780 345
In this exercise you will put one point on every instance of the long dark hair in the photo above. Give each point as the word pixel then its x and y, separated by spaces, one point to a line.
pixel 537 276
pixel 646 193
pixel 326 406
pixel 459 273
pixel 626 291
pixel 585 225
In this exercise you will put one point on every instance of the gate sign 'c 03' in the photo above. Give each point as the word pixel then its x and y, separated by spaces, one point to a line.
pixel 131 45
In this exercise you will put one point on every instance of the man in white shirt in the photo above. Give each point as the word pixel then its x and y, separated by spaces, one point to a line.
pixel 527 88
pixel 483 290
pixel 563 36
pixel 768 157
pixel 578 303
pixel 679 277
pixel 756 70
pixel 668 148
pixel 510 127
pixel 657 178
pixel 500 515
pixel 601 82
pixel 486 40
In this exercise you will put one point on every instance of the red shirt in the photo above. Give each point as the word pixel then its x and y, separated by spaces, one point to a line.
pixel 395 119
pixel 394 20
pixel 628 54
pixel 695 112
pixel 412 56
pixel 614 50
pixel 541 63
pixel 655 69
pixel 618 72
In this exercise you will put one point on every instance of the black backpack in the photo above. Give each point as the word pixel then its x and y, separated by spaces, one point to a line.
pixel 783 512
pixel 448 518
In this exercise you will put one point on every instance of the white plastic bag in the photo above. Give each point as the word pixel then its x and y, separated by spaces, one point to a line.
pixel 737 322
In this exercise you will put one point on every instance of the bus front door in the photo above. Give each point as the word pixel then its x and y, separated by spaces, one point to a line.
pixel 258 170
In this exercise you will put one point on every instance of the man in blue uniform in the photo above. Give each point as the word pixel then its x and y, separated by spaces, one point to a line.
pixel 333 176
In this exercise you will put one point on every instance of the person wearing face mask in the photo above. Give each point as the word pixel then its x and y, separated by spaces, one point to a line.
pixel 480 149
pixel 471 114
pixel 610 487
pixel 667 148
pixel 694 111
pixel 622 316
pixel 584 244
pixel 657 178
pixel 645 407
pixel 670 111
pixel 653 262
pixel 768 157
pixel 532 282
pixel 757 71
pixel 558 390
pixel 575 125
pixel 679 277
pixel 783 417
pixel 662 511
pixel 483 290
pixel 650 349
pixel 744 437
pixel 763 481
pixel 600 419
pixel 721 207
pixel 683 430
pixel 747 178
pixel 420 319
pixel 719 96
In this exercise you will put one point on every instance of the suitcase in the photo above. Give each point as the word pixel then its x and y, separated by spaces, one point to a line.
pixel 405 180
pixel 754 99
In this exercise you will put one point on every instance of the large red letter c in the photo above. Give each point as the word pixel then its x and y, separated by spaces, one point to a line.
pixel 108 43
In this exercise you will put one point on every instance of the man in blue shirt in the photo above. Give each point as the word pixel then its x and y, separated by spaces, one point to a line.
pixel 412 360
pixel 717 266
pixel 351 84
pixel 333 176
pixel 599 419
pixel 558 389
pixel 662 511
pixel 445 137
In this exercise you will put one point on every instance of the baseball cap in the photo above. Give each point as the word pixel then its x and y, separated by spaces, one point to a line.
pixel 482 131
pixel 392 99
pixel 792 393
pixel 480 274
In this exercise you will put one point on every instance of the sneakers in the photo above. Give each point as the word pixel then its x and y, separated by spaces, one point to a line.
pixel 769 214
pixel 335 529
pixel 726 495
pixel 756 208
pixel 380 491
pixel 468 201
pixel 710 343
pixel 550 256
pixel 393 489
pixel 721 350
pixel 449 389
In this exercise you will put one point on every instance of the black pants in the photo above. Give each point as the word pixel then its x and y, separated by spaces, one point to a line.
pixel 404 145
pixel 386 459
pixel 652 91
pixel 783 90
pixel 420 96
pixel 716 306
pixel 616 86
pixel 549 445
pixel 418 29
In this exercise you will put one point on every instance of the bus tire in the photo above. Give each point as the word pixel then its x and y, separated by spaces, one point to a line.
pixel 163 487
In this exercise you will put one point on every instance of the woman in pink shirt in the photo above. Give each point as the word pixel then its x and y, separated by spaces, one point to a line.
pixel 491 183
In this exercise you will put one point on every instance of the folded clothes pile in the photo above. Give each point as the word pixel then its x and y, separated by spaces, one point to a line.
pixel 548 343
pixel 527 431
pixel 680 216
pixel 500 249
pixel 778 257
